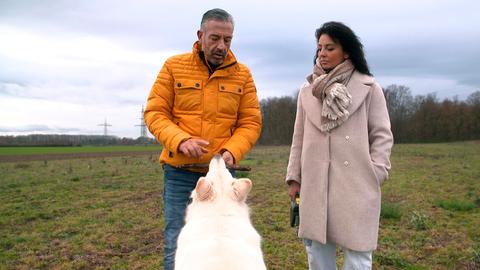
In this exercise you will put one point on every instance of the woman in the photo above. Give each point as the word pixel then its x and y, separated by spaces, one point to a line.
pixel 340 153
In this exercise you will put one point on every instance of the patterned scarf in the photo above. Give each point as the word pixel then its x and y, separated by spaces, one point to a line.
pixel 330 88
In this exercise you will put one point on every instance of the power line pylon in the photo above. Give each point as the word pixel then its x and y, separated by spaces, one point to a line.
pixel 143 127
pixel 105 125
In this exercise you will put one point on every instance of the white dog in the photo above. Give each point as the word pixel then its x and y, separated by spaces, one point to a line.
pixel 218 234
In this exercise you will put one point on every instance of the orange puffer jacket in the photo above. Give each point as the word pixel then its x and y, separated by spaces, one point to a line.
pixel 187 102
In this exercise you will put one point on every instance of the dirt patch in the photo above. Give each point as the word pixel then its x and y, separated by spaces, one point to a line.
pixel 40 157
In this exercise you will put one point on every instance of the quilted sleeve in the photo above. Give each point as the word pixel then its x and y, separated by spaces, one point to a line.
pixel 249 122
pixel 158 112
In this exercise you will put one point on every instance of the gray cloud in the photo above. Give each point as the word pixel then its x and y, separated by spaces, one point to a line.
pixel 99 59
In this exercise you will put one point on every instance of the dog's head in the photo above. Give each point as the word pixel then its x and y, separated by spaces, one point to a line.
pixel 219 184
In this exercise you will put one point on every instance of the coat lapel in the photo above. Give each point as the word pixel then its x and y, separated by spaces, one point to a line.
pixel 312 106
pixel 358 86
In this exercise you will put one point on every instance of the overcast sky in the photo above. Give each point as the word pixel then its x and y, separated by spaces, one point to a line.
pixel 66 66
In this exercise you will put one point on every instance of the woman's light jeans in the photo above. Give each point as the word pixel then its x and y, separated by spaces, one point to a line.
pixel 323 257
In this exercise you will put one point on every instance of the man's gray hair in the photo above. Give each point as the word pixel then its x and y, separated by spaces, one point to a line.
pixel 216 14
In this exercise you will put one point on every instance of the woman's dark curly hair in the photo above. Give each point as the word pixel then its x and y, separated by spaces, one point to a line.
pixel 342 34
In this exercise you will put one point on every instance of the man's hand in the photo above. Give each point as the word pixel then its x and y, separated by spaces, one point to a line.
pixel 193 148
pixel 228 158
pixel 293 189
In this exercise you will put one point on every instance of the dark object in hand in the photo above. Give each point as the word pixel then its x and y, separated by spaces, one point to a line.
pixel 295 212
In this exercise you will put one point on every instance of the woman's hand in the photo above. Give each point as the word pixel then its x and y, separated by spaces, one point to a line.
pixel 293 189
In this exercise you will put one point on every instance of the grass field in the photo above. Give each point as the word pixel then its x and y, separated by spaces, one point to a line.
pixel 106 213
pixel 74 150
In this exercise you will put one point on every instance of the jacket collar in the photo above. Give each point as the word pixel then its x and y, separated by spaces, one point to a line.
pixel 358 86
pixel 230 61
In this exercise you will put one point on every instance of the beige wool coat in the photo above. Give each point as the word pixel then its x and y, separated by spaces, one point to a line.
pixel 341 171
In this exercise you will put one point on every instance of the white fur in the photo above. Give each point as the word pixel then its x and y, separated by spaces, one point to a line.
pixel 218 234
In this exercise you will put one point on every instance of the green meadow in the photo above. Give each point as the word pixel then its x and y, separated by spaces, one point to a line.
pixel 5 151
pixel 106 213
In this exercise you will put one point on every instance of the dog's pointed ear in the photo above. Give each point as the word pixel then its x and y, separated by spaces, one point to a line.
pixel 204 189
pixel 241 188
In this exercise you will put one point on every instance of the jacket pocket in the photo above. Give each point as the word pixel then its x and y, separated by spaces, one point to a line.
pixel 188 94
pixel 380 173
pixel 229 98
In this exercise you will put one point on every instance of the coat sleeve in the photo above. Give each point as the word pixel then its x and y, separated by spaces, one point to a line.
pixel 294 161
pixel 249 122
pixel 379 134
pixel 158 112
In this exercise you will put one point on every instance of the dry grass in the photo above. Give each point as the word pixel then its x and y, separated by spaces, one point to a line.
pixel 106 213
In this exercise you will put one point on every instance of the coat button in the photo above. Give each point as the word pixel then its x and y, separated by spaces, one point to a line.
pixel 197 85
pixel 346 163
pixel 347 137
pixel 179 85
pixel 222 87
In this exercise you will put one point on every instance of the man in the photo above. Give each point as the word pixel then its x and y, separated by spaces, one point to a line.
pixel 202 103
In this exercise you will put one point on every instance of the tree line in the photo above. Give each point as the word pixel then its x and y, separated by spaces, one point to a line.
pixel 414 119
pixel 70 140
pixel 427 119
